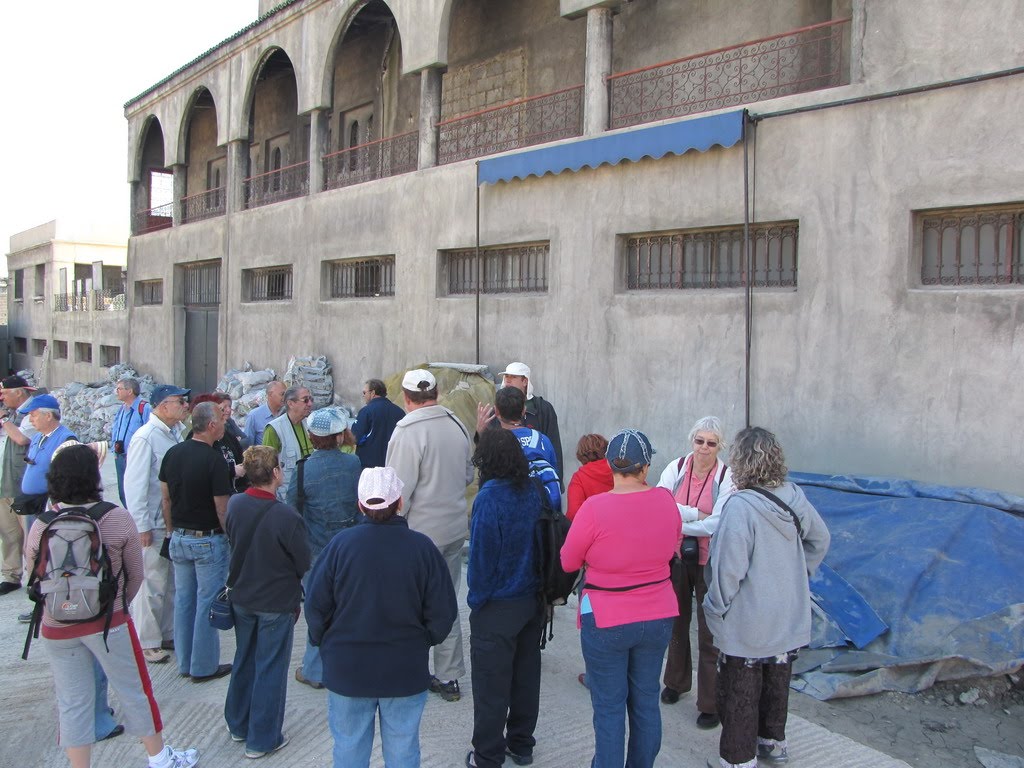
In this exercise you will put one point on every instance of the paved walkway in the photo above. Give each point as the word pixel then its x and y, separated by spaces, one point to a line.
pixel 192 714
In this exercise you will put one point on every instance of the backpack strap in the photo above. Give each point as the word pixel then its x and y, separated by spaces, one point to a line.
pixel 782 505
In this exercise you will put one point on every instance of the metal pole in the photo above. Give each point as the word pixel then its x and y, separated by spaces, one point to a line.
pixel 748 260
pixel 479 276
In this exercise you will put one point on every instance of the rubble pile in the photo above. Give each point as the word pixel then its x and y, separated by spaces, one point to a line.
pixel 88 410
pixel 247 388
pixel 313 373
pixel 29 376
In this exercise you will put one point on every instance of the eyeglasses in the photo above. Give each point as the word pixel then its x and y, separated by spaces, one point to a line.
pixel 306 399
pixel 702 441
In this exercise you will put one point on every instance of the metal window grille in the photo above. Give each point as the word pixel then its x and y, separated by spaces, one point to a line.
pixel 506 269
pixel 83 352
pixel 271 284
pixel 713 258
pixel 150 292
pixel 60 350
pixel 979 246
pixel 358 278
pixel 38 347
pixel 202 283
pixel 109 355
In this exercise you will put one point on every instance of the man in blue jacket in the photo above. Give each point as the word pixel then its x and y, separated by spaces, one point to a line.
pixel 379 598
pixel 374 424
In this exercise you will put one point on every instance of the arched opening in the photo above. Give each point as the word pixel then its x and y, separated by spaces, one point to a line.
pixel 153 193
pixel 205 162
pixel 375 109
pixel 515 74
pixel 278 135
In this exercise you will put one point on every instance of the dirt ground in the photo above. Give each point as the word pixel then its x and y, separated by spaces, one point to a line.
pixel 938 727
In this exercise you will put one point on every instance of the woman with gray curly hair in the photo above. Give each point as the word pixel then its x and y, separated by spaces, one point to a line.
pixel 758 604
pixel 697 480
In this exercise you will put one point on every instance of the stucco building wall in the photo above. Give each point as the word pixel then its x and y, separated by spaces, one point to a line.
pixel 860 369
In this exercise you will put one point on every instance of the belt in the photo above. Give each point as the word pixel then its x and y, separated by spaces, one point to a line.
pixel 198 534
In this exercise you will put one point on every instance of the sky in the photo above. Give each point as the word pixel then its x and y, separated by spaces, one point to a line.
pixel 66 69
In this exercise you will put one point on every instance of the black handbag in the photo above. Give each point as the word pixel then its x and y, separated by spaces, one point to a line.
pixel 29 504
pixel 691 549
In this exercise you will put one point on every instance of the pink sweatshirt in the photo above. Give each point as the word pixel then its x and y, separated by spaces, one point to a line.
pixel 626 539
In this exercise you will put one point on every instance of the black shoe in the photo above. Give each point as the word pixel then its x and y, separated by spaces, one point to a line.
pixel 669 695
pixel 519 759
pixel 448 691
pixel 6 587
pixel 167 645
pixel 222 670
pixel 118 730
pixel 707 720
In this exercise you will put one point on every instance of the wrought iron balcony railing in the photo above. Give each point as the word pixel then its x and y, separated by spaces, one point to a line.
pixel 152 219
pixel 111 299
pixel 372 160
pixel 519 123
pixel 203 205
pixel 805 59
pixel 275 186
pixel 70 302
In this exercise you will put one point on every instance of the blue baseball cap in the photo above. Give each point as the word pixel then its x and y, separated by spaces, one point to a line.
pixel 630 445
pixel 164 391
pixel 40 401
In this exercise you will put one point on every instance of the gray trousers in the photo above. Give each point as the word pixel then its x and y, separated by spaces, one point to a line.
pixel 153 607
pixel 448 661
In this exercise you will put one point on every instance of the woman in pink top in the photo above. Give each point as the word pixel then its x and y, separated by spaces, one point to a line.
pixel 626 538
pixel 696 480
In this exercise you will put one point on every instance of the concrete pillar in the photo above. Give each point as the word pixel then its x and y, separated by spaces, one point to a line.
pixel 598 67
pixel 139 203
pixel 317 149
pixel 237 170
pixel 180 172
pixel 430 114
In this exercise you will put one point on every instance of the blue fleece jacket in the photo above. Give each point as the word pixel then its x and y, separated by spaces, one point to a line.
pixel 380 596
pixel 502 552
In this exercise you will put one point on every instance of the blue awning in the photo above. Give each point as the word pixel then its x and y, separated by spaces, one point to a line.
pixel 655 142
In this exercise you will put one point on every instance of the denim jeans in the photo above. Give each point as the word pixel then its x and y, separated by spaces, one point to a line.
pixel 312 666
pixel 352 722
pixel 120 464
pixel 254 707
pixel 105 721
pixel 200 569
pixel 623 671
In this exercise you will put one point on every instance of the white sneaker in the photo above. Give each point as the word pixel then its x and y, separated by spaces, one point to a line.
pixel 175 758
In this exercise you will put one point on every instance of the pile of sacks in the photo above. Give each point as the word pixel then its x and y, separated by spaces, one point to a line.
pixel 313 373
pixel 88 410
pixel 247 388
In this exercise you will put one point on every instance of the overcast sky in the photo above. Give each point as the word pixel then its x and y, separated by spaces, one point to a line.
pixel 66 69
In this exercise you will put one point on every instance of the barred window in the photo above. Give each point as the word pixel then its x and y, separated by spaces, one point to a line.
pixel 361 278
pixel 506 269
pixel 83 352
pixel 712 257
pixel 268 284
pixel 109 355
pixel 972 246
pixel 38 347
pixel 149 292
pixel 60 350
pixel 201 283
pixel 20 345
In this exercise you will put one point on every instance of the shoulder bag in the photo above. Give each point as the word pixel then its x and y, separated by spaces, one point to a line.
pixel 221 615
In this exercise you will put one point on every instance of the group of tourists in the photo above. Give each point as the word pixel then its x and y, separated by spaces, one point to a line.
pixel 362 524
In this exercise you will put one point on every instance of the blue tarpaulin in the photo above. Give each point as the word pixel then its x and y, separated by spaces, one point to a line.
pixel 939 566
pixel 676 138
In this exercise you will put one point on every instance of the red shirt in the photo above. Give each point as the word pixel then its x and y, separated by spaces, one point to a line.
pixel 592 478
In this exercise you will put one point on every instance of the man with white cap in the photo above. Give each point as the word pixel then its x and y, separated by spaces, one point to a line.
pixel 430 451
pixel 323 491
pixel 153 607
pixel 540 414
pixel 374 658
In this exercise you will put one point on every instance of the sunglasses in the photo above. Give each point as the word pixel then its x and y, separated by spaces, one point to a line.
pixel 702 441
pixel 306 399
